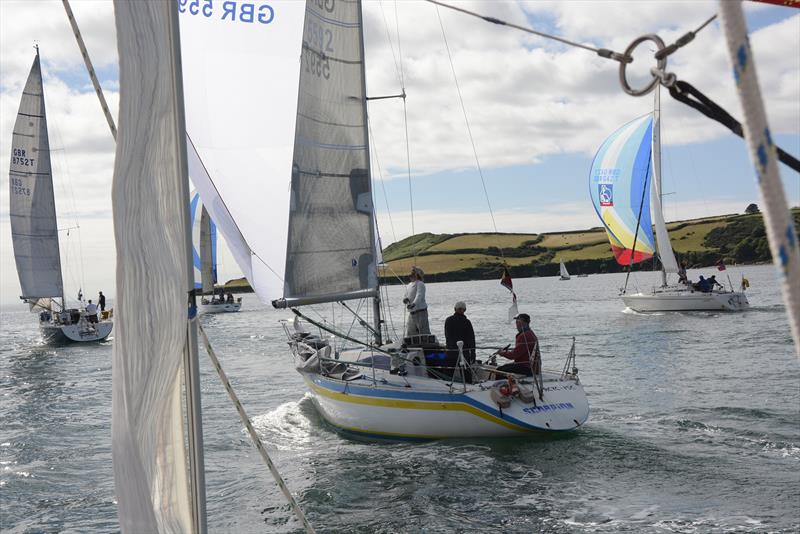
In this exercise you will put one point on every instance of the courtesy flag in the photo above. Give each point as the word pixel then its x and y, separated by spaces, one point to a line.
pixel 720 266
pixel 505 280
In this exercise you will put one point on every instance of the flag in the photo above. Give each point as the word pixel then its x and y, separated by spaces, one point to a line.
pixel 513 311
pixel 505 280
pixel 720 266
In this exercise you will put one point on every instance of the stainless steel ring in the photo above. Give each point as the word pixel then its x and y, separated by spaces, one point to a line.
pixel 660 65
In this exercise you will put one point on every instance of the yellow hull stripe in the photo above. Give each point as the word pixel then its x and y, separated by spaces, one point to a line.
pixel 413 405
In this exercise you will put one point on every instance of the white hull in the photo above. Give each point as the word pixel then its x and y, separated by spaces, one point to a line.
pixel 80 332
pixel 682 299
pixel 220 308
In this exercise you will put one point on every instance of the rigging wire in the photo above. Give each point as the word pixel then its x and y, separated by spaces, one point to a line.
pixel 602 52
pixel 374 146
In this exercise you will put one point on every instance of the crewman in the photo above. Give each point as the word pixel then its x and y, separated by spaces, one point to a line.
pixel 525 346
pixel 416 305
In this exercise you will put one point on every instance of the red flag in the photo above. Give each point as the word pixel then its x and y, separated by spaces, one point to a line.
pixel 720 266
pixel 505 280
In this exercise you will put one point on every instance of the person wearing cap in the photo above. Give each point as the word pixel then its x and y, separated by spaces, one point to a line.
pixel 416 305
pixel 526 346
pixel 458 328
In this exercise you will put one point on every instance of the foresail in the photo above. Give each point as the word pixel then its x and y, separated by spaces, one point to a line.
pixel 331 249
pixel 619 185
pixel 34 229
pixel 149 203
pixel 240 83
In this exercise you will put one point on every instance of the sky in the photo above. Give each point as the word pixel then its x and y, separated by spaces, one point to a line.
pixel 537 111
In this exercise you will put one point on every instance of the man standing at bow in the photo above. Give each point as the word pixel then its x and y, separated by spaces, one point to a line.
pixel 416 305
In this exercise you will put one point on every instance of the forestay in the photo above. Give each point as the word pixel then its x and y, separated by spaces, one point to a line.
pixel 619 185
pixel 330 253
pixel 240 72
pixel 204 245
pixel 149 198
pixel 34 229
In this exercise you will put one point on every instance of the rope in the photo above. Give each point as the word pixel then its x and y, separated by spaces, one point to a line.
pixel 253 434
pixel 778 220
pixel 602 52
pixel 689 95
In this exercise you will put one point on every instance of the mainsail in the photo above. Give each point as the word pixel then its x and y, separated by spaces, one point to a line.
pixel 619 185
pixel 563 271
pixel 330 251
pixel 204 245
pixel 34 230
pixel 668 262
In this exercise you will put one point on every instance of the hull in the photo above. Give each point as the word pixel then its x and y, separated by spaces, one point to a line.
pixel 220 308
pixel 81 332
pixel 685 300
pixel 428 409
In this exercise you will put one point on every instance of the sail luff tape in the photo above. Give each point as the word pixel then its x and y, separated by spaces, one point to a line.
pixel 778 221
pixel 253 434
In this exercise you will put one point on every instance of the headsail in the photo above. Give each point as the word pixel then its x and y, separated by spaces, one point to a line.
pixel 331 248
pixel 619 185
pixel 34 229
pixel 154 339
pixel 204 245
pixel 562 269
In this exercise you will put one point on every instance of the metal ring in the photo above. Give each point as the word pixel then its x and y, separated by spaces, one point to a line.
pixel 660 65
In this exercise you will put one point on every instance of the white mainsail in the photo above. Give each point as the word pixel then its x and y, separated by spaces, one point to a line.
pixel 150 202
pixel 240 81
pixel 563 270
pixel 330 253
pixel 670 265
pixel 204 245
pixel 34 229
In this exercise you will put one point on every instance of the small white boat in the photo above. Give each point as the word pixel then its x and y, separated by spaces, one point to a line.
pixel 564 274
pixel 620 186
pixel 34 226
pixel 204 254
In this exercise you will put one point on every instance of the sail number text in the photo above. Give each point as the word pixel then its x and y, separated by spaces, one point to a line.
pixel 19 157
pixel 232 10
pixel 316 62
pixel 18 187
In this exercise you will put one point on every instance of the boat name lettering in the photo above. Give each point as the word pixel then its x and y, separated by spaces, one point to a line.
pixel 549 407
pixel 18 188
pixel 232 10
pixel 560 388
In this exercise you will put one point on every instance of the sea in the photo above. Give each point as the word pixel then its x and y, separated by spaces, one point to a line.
pixel 694 425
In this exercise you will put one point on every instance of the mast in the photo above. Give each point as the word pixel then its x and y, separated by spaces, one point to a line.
pixel 376 301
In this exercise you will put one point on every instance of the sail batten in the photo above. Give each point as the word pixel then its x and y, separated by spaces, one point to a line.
pixel 619 186
pixel 32 212
pixel 330 246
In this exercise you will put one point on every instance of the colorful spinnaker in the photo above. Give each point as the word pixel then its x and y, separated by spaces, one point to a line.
pixel 619 185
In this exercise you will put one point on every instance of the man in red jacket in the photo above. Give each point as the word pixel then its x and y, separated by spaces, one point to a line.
pixel 526 347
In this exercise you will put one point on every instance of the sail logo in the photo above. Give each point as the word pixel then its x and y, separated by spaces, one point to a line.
pixel 606 194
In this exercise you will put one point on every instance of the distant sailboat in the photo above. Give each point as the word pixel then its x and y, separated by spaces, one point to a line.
pixel 204 256
pixel 34 228
pixel 563 271
pixel 413 388
pixel 620 188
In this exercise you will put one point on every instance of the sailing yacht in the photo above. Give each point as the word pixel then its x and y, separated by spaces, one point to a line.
pixel 204 256
pixel 412 388
pixel 620 188
pixel 562 269
pixel 34 227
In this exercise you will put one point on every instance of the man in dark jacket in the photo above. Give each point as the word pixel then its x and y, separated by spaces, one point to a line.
pixel 526 348
pixel 458 328
pixel 101 301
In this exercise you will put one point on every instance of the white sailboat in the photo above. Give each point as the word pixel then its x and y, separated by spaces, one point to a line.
pixel 204 257
pixel 34 227
pixel 562 269
pixel 412 388
pixel 620 188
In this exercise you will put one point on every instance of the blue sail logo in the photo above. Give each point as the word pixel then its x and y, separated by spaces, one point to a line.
pixel 606 194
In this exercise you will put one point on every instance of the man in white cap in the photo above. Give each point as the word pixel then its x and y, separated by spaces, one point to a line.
pixel 458 328
pixel 416 305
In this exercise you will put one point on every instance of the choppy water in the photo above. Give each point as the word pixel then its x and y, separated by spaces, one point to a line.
pixel 695 427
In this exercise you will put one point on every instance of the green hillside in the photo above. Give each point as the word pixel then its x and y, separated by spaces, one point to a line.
pixel 445 257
